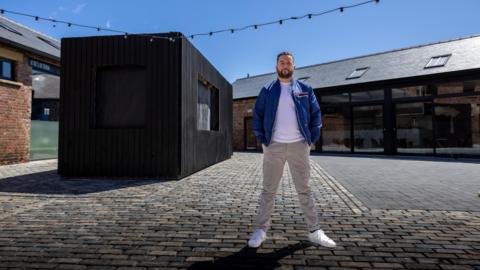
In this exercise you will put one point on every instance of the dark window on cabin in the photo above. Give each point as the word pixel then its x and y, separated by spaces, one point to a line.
pixel 120 98
pixel 6 69
pixel 207 106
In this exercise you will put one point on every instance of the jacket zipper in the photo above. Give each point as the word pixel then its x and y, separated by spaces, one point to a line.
pixel 274 117
pixel 298 119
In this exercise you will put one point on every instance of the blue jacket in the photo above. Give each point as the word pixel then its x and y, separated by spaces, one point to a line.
pixel 306 106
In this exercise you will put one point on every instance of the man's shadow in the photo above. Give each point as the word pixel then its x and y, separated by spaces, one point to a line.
pixel 248 258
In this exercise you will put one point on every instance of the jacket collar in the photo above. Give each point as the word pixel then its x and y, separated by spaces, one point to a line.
pixel 293 83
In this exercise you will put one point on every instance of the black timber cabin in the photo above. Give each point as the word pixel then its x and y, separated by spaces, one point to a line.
pixel 132 106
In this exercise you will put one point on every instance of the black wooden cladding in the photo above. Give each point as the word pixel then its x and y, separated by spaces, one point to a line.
pixel 102 130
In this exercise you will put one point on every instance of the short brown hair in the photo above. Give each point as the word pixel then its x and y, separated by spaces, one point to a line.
pixel 285 53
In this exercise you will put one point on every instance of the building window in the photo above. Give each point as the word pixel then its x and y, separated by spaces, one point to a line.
pixel 336 128
pixel 457 125
pixel 413 91
pixel 414 127
pixel 471 86
pixel 6 69
pixel 303 79
pixel 41 67
pixel 357 73
pixel 458 87
pixel 335 99
pixel 368 128
pixel 207 106
pixel 250 139
pixel 438 61
pixel 367 95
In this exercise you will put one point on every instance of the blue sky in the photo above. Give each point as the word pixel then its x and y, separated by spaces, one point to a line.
pixel 372 28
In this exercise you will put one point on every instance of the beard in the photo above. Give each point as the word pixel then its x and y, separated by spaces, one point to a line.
pixel 284 73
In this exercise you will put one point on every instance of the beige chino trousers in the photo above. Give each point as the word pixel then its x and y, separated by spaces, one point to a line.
pixel 275 155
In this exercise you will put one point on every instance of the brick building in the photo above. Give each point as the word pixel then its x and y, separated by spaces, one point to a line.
pixel 30 74
pixel 422 100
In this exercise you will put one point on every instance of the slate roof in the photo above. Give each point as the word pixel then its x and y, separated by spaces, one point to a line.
pixel 22 37
pixel 396 64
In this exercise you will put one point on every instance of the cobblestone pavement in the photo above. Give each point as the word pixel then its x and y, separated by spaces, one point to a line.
pixel 428 183
pixel 204 221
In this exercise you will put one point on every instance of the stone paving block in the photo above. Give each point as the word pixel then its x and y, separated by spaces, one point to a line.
pixel 405 182
pixel 204 221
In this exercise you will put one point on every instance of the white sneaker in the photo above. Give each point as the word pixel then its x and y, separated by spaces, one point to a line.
pixel 320 238
pixel 257 238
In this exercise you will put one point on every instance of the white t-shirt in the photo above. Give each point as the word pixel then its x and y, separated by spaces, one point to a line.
pixel 285 128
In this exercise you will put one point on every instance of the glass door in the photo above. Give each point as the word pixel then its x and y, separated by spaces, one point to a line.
pixel 457 125
pixel 249 136
pixel 414 127
pixel 336 128
pixel 368 128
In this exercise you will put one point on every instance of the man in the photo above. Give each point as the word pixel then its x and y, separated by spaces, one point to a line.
pixel 286 119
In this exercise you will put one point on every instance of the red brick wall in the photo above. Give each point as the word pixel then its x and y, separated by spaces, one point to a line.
pixel 241 109
pixel 15 110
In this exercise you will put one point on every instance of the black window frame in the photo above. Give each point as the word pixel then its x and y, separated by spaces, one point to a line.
pixel 214 105
pixel 12 69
